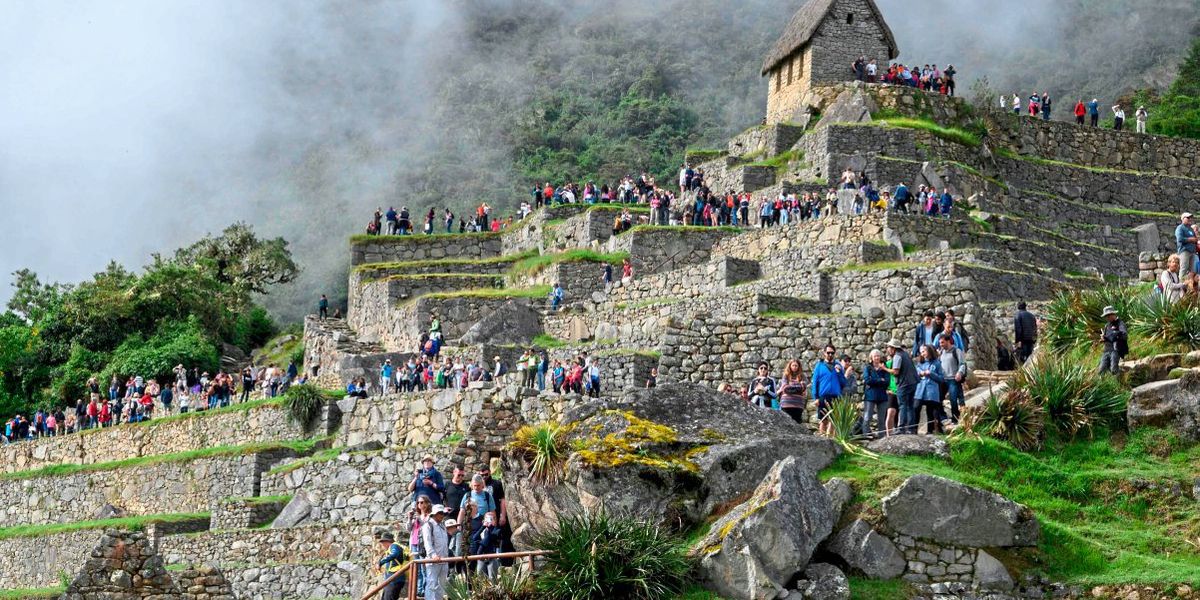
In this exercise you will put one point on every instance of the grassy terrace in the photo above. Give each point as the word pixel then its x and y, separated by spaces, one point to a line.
pixel 537 291
pixel 880 266
pixel 416 264
pixel 532 265
pixel 47 592
pixel 1010 154
pixel 1105 505
pixel 136 523
pixel 949 134
pixel 780 161
pixel 299 446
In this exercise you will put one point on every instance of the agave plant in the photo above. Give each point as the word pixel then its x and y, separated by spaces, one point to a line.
pixel 844 416
pixel 510 584
pixel 1074 399
pixel 545 447
pixel 1012 417
pixel 304 404
pixel 1173 323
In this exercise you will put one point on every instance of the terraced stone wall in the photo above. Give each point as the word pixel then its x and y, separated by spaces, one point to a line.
pixel 659 249
pixel 401 248
pixel 228 428
pixel 172 487
pixel 1138 191
pixel 1104 148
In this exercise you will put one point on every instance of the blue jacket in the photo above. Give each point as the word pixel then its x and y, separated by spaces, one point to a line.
pixel 827 381
pixel 947 203
pixel 434 493
pixel 928 388
pixel 875 382
pixel 1093 108
pixel 1183 232
pixel 919 338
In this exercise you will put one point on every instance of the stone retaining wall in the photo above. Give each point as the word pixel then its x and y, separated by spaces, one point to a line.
pixel 338 357
pixel 173 487
pixel 245 513
pixel 765 140
pixel 657 249
pixel 280 581
pixel 1104 148
pixel 203 430
pixel 401 248
pixel 266 546
pixel 1139 191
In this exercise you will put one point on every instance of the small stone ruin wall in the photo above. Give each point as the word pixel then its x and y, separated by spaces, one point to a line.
pixel 657 249
pixel 261 424
pixel 402 248
pixel 171 487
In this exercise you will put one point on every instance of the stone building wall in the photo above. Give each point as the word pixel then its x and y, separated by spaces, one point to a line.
pixel 1103 148
pixel 280 581
pixel 337 356
pixel 593 226
pixel 765 140
pixel 172 487
pixel 839 41
pixel 260 424
pixel 785 95
pixel 375 299
pixel 656 249
pixel 401 248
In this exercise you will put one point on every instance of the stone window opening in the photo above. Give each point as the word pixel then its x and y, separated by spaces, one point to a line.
pixel 790 63
pixel 778 79
pixel 849 18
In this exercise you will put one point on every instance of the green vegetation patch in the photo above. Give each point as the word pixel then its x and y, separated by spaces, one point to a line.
pixel 628 352
pixel 537 291
pixel 533 265
pixel 780 161
pixel 136 523
pixel 258 499
pixel 46 592
pixel 449 262
pixel 880 266
pixel 950 134
pixel 701 155
pixel 300 446
pixel 1106 507
pixel 647 303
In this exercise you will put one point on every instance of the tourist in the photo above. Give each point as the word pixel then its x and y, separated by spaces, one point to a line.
pixel 457 487
pixel 1141 115
pixel 1035 104
pixel 391 565
pixel 385 377
pixel 1169 284
pixel 1115 338
pixel 556 297
pixel 496 489
pixel 593 382
pixel 477 503
pixel 1118 117
pixel 427 481
pixel 828 382
pixel 1080 112
pixel 928 390
pixel 875 381
pixel 1024 333
pixel 947 202
pixel 926 332
pixel 490 542
pixel 1016 103
pixel 436 543
pixel 626 272
pixel 1094 112
pixel 761 391
pixel 793 394
pixel 904 374
pixel 417 516
pixel 323 307
pixel 1185 244
pixel 954 370
pixel 1045 106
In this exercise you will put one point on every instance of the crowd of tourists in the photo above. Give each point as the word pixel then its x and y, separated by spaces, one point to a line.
pixel 1041 105
pixel 446 519
pixel 930 78
pixel 895 385
pixel 136 399
pixel 400 222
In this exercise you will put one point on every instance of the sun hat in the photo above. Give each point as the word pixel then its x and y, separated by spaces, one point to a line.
pixel 894 343
pixel 1108 310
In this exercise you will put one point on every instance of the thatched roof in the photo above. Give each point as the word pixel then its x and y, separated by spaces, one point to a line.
pixel 804 24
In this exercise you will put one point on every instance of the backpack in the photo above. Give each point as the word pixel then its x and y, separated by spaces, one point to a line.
pixel 1122 344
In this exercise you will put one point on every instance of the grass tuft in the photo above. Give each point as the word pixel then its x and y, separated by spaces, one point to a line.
pixel 137 523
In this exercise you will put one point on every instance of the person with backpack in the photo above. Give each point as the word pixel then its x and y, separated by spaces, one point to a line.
pixel 1115 338
pixel 828 382
pixel 954 371
pixel 391 564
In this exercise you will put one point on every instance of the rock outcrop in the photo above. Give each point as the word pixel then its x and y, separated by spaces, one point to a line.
pixel 753 552
pixel 671 454
pixel 515 322
pixel 911 445
pixel 822 582
pixel 948 512
pixel 867 551
pixel 1174 403
pixel 123 566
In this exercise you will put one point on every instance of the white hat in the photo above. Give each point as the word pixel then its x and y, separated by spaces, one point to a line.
pixel 894 343
pixel 438 508
pixel 1185 215
pixel 450 523
pixel 1108 310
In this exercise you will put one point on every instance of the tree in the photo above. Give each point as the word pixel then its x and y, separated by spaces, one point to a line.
pixel 238 259
pixel 32 299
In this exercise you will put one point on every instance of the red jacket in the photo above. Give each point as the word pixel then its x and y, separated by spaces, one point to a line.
pixel 1080 110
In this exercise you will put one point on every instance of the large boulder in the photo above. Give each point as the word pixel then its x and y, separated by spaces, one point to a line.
pixel 822 582
pixel 866 550
pixel 1151 368
pixel 297 511
pixel 949 512
pixel 515 322
pixel 671 455
pixel 1174 403
pixel 756 549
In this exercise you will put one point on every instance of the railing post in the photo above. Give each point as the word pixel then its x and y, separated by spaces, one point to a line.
pixel 412 580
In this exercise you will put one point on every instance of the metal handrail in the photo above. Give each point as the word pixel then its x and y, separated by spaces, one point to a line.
pixel 409 569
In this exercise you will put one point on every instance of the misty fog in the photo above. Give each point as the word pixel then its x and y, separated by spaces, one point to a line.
pixel 134 127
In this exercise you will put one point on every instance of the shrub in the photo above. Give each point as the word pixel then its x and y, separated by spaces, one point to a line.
pixel 252 329
pixel 597 556
pixel 1012 417
pixel 844 416
pixel 544 447
pixel 1073 397
pixel 509 585
pixel 1169 323
pixel 303 403
pixel 174 343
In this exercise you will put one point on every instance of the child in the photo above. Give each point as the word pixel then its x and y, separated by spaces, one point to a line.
pixel 489 543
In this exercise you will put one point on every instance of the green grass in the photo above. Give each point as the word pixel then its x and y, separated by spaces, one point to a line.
pixel 325 455
pixel 633 208
pixel 139 522
pixel 532 265
pixel 1105 505
pixel 628 352
pixel 681 228
pixel 1008 153
pixel 259 499
pixel 47 592
pixel 780 161
pixel 695 592
pixel 1141 213
pixel 696 156
pixel 537 291
pixel 950 134
pixel 879 266
pixel 300 446
pixel 547 341
pixel 647 303
pixel 418 238
pixel 791 315
pixel 862 588
pixel 416 264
